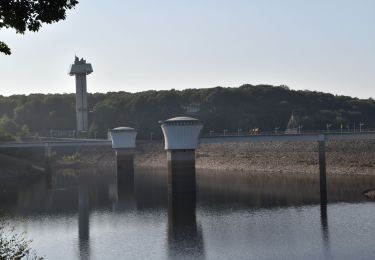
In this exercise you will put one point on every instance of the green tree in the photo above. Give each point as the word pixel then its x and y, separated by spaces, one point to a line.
pixel 11 131
pixel 14 246
pixel 29 15
pixel 246 107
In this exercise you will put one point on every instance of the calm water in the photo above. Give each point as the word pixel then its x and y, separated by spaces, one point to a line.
pixel 88 214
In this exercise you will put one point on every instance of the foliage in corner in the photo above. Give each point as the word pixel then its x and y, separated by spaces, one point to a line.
pixel 15 246
pixel 29 15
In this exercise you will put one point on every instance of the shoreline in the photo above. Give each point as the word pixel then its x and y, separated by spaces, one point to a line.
pixel 343 158
pixel 348 157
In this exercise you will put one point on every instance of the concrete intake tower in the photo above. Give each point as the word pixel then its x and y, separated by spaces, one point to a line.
pixel 181 135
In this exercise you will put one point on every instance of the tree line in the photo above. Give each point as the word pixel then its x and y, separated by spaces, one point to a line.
pixel 247 107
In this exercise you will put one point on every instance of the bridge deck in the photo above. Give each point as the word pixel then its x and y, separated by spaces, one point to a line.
pixel 206 139
pixel 85 142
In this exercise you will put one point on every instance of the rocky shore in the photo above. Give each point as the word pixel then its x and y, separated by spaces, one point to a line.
pixel 349 157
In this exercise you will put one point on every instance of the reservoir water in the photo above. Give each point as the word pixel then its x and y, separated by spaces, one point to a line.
pixel 92 214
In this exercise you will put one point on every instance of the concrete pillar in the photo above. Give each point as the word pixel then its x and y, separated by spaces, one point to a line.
pixel 80 69
pixel 47 157
pixel 81 103
pixel 181 172
pixel 47 150
pixel 125 160
pixel 181 135
pixel 123 141
pixel 125 166
pixel 322 169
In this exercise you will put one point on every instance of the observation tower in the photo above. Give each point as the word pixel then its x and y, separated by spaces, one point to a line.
pixel 80 69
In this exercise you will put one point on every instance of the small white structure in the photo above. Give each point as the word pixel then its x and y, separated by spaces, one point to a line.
pixel 123 141
pixel 80 69
pixel 181 133
pixel 123 137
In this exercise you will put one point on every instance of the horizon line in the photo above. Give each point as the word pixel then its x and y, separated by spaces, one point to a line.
pixel 180 90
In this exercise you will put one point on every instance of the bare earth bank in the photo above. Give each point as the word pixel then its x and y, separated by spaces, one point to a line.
pixel 271 157
pixel 349 157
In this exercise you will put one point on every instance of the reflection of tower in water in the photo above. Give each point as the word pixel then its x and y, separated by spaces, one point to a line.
pixel 325 230
pixel 184 236
pixel 84 219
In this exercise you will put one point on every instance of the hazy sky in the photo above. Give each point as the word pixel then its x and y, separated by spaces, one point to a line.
pixel 326 45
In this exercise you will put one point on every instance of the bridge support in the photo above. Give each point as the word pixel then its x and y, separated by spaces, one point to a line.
pixel 123 141
pixel 47 156
pixel 181 174
pixel 125 165
pixel 181 135
pixel 322 169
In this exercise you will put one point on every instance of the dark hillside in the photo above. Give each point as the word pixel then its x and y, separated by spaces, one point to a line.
pixel 246 107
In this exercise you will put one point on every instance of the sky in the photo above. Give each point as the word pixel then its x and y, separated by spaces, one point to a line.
pixel 319 45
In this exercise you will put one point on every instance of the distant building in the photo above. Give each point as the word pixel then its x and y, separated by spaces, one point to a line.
pixel 192 108
pixel 62 133
pixel 292 126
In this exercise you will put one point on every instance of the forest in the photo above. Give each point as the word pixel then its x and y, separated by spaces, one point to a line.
pixel 247 107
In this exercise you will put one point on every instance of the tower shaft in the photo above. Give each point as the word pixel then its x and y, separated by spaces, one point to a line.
pixel 81 103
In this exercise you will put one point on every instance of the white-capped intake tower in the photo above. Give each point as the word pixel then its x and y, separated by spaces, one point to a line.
pixel 123 141
pixel 80 69
pixel 181 135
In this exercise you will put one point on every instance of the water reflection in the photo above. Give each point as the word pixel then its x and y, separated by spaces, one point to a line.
pixel 151 190
pixel 228 190
pixel 185 238
pixel 325 230
pixel 123 196
pixel 324 222
pixel 147 191
pixel 84 219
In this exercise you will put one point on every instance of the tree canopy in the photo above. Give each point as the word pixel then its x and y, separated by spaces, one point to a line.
pixel 29 15
pixel 247 107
